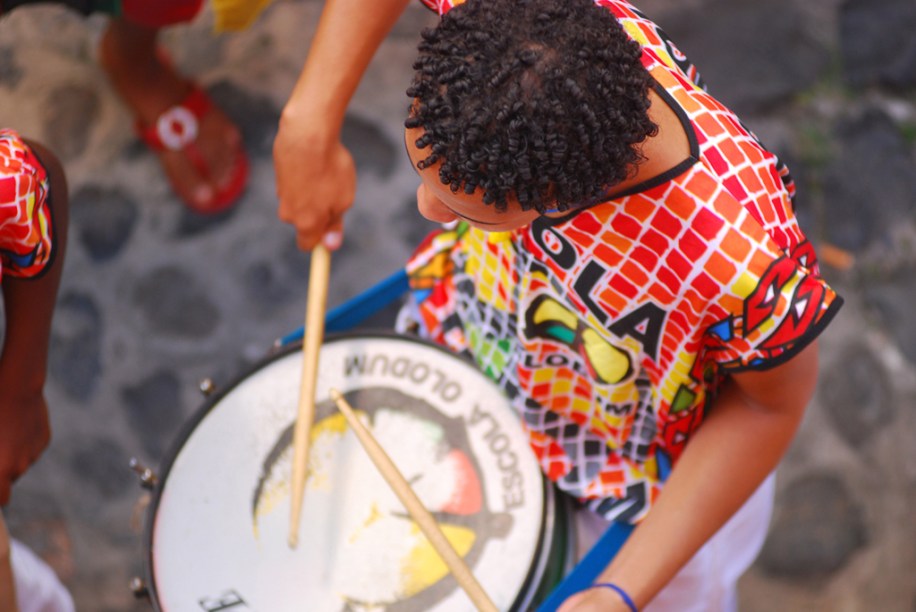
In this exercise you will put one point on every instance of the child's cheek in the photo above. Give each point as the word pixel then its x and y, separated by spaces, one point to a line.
pixel 432 207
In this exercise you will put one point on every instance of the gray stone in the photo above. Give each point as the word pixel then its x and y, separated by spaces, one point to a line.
pixel 135 150
pixel 869 187
pixel 74 361
pixel 69 116
pixel 191 224
pixel 877 42
pixel 382 319
pixel 274 277
pixel 266 286
pixel 102 464
pixel 228 370
pixel 412 22
pixel 890 301
pixel 815 531
pixel 411 227
pixel 154 411
pixel 372 150
pixel 197 54
pixel 857 395
pixel 725 40
pixel 256 116
pixel 10 71
pixel 295 261
pixel 806 200
pixel 103 220
pixel 36 518
pixel 32 505
pixel 174 305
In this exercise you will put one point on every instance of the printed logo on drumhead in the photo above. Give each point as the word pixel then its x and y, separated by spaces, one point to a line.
pixel 383 560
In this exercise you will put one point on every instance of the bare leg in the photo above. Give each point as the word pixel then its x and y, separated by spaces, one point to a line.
pixel 149 85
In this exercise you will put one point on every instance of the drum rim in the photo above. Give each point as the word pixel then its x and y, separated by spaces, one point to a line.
pixel 529 588
pixel 548 511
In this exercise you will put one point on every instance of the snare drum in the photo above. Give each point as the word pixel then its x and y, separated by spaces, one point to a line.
pixel 217 527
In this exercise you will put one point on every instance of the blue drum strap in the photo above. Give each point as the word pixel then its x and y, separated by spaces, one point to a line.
pixel 599 557
pixel 360 307
pixel 586 571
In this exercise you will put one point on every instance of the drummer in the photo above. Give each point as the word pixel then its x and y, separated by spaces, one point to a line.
pixel 621 255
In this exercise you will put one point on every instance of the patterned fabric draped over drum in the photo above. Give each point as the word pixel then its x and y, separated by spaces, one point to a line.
pixel 611 329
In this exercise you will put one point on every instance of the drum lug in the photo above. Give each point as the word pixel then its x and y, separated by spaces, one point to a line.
pixel 148 479
pixel 138 588
pixel 206 386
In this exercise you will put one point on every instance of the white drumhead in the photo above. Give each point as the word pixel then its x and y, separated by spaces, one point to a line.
pixel 220 524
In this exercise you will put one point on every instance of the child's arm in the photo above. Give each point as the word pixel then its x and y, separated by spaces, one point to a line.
pixel 316 177
pixel 24 426
pixel 29 303
pixel 741 441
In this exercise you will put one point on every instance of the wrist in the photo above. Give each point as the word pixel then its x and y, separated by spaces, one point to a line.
pixel 311 117
pixel 301 130
pixel 19 380
pixel 620 592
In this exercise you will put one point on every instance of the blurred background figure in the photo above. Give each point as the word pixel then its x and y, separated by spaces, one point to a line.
pixel 33 232
pixel 201 151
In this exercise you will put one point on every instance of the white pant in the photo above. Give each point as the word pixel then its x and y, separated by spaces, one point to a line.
pixel 37 587
pixel 707 583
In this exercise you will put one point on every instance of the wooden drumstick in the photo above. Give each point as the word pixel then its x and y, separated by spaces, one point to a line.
pixel 415 508
pixel 311 345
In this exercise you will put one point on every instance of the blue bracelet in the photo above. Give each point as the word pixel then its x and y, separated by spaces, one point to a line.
pixel 623 594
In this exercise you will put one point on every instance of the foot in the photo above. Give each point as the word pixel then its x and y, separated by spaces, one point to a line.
pixel 149 86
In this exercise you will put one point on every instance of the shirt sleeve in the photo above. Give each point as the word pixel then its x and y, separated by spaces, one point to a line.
pixel 768 317
pixel 26 230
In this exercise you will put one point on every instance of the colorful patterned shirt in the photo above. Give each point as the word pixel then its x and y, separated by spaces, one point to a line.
pixel 25 217
pixel 611 329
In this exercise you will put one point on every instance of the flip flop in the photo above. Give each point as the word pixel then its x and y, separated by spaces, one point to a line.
pixel 176 129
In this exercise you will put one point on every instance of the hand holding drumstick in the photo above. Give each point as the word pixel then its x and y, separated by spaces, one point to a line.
pixel 311 345
pixel 415 508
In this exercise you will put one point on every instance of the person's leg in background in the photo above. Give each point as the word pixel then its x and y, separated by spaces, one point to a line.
pixel 200 149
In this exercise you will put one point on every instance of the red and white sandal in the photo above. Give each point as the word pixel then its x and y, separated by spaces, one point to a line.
pixel 176 129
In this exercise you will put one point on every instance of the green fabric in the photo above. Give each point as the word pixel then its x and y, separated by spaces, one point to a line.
pixel 112 7
pixel 86 7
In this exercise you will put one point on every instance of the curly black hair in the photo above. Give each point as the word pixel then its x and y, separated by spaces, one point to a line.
pixel 543 100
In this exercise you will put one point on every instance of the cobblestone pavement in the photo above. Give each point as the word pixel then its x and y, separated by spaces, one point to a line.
pixel 155 299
